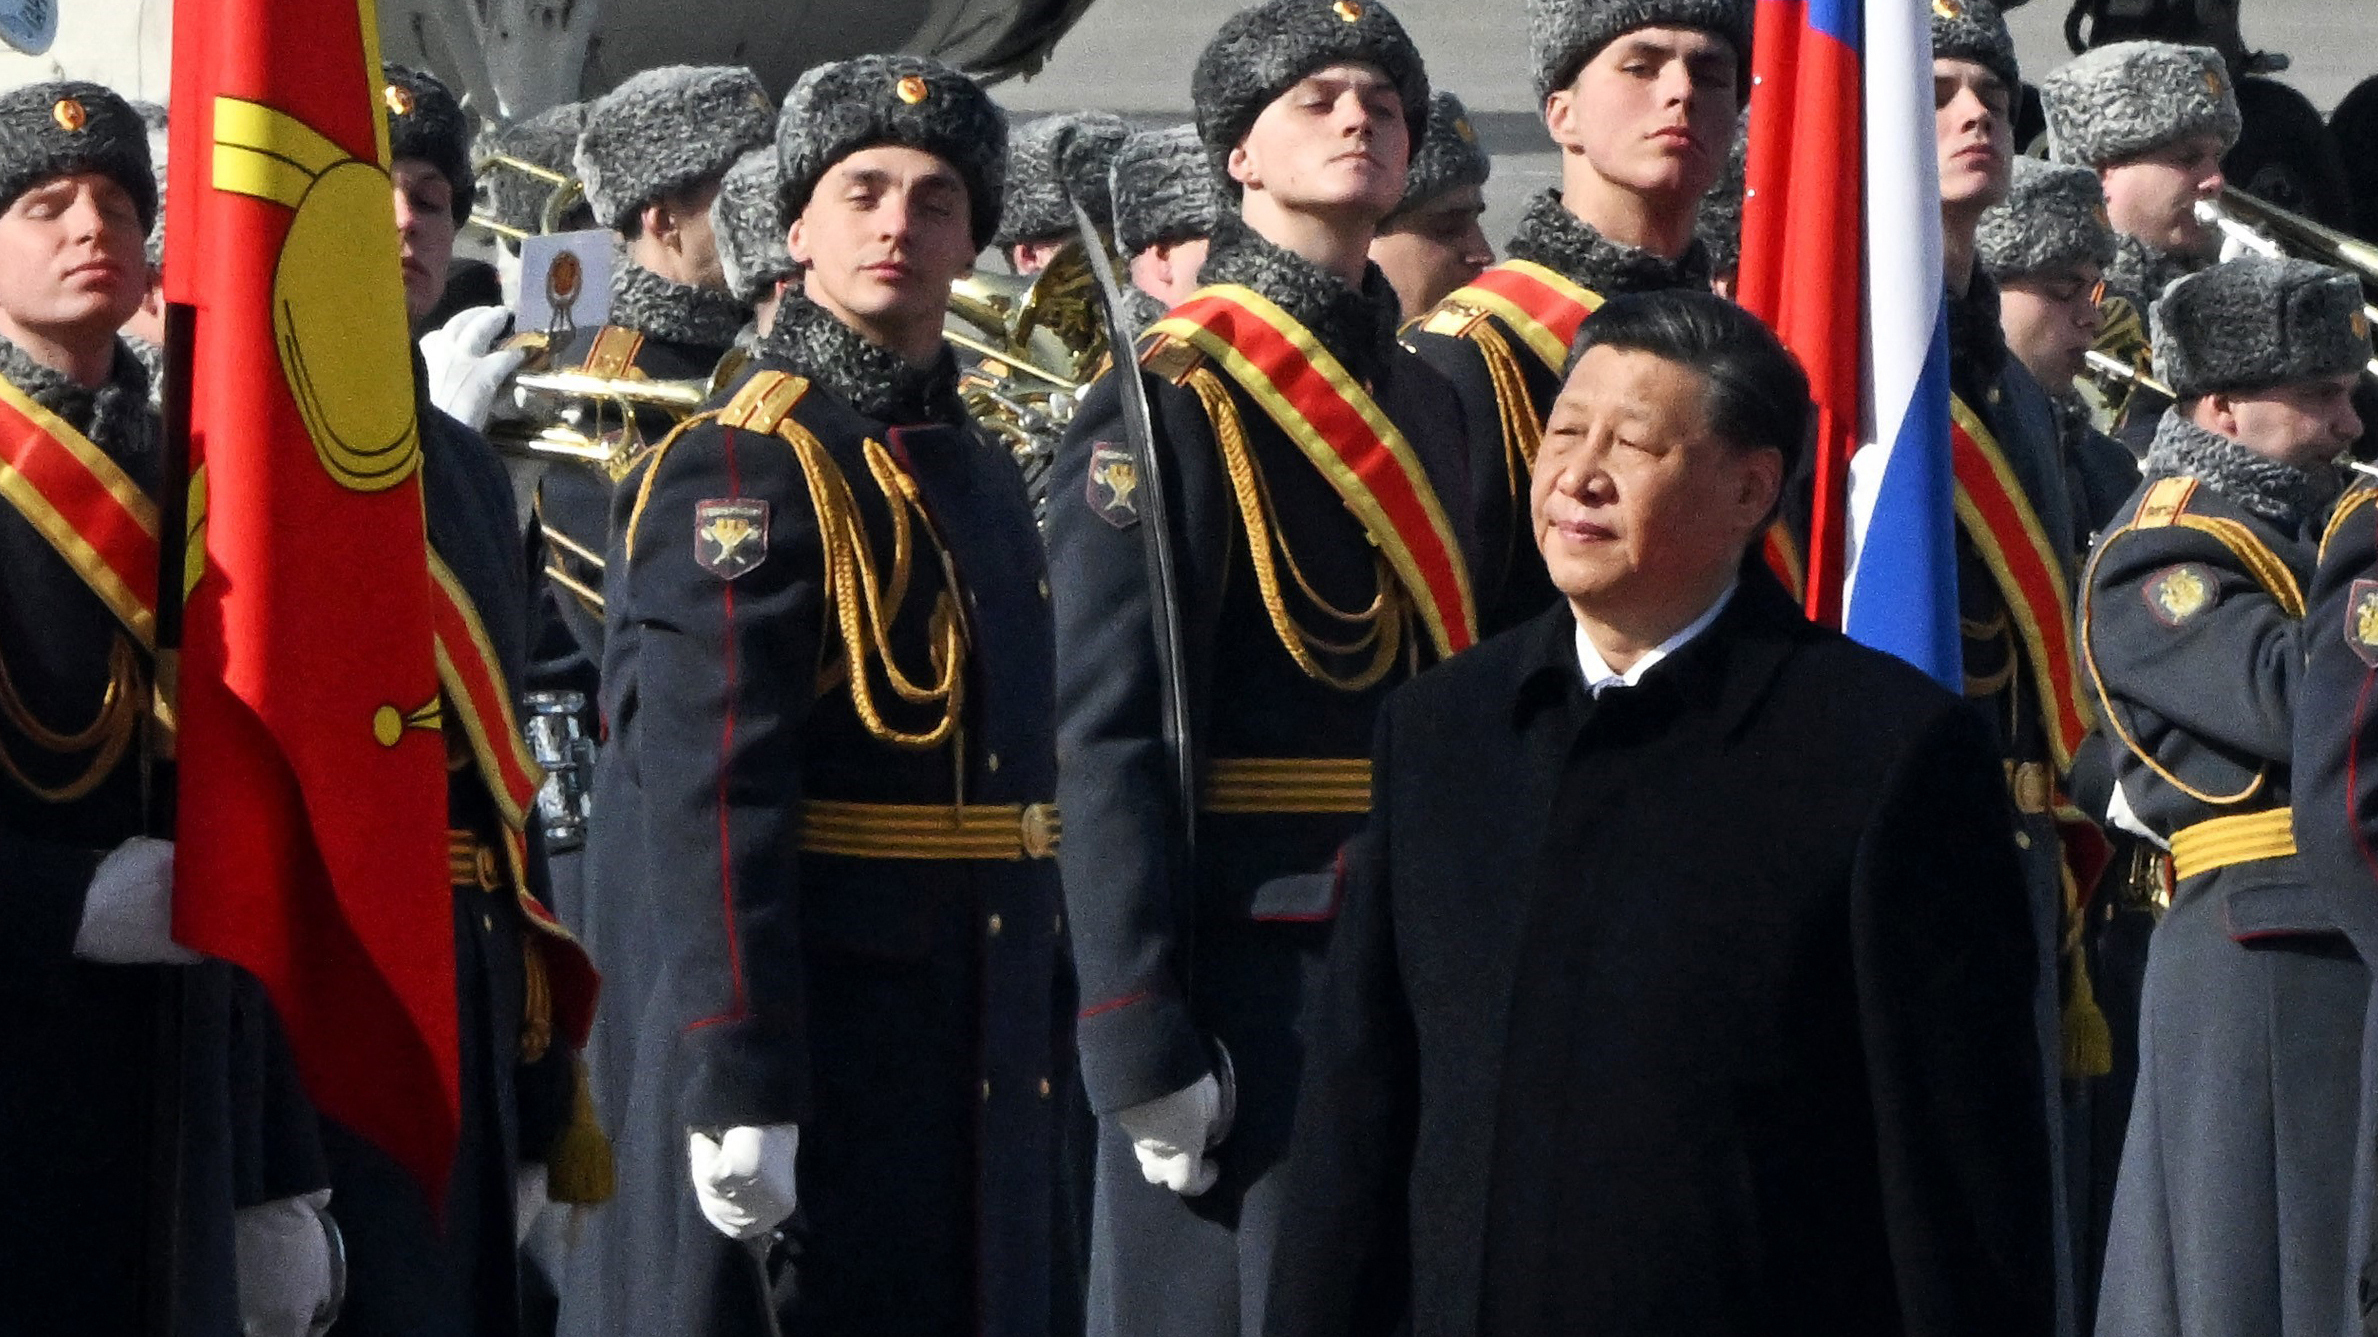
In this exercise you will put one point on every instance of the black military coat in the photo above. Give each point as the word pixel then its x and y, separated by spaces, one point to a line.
pixel 1509 575
pixel 2231 1213
pixel 80 1062
pixel 1581 1066
pixel 890 997
pixel 1173 962
pixel 411 1269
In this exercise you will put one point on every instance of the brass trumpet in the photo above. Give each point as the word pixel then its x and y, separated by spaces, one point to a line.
pixel 2266 229
pixel 573 415
pixel 563 193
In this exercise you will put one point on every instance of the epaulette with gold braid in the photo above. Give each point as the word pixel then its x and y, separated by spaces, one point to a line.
pixel 2352 501
pixel 1173 359
pixel 1452 318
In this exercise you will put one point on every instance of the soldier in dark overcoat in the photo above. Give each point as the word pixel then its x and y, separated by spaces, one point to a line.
pixel 828 791
pixel 524 990
pixel 2230 1214
pixel 1297 616
pixel 87 964
pixel 1641 100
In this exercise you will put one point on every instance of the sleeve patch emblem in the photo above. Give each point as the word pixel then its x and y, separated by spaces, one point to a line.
pixel 2178 593
pixel 730 535
pixel 1114 485
pixel 2361 621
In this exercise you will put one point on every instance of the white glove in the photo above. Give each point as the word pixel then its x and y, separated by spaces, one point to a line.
pixel 128 911
pixel 744 1178
pixel 2120 816
pixel 289 1276
pixel 466 369
pixel 1172 1134
pixel 529 1199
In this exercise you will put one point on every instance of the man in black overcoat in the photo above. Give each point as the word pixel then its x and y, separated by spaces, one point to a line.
pixel 1683 984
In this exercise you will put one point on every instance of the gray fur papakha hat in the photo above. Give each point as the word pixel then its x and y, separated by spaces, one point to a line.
pixel 1263 51
pixel 548 139
pixel 1055 159
pixel 1564 34
pixel 1164 189
pixel 1448 158
pixel 66 125
pixel 2053 217
pixel 2254 322
pixel 1974 30
pixel 748 218
pixel 425 121
pixel 153 115
pixel 911 101
pixel 2130 98
pixel 665 129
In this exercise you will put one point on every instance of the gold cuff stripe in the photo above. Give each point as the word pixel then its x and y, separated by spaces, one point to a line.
pixel 2224 841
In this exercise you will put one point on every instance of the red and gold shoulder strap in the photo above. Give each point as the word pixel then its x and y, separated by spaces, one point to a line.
pixel 85 505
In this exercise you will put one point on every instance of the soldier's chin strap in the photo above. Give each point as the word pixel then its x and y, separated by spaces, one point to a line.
pixel 1164 606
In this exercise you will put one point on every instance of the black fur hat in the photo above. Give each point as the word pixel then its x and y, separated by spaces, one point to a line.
pixel 665 129
pixel 51 129
pixel 1164 191
pixel 2053 218
pixel 1055 158
pixel 1263 51
pixel 1449 158
pixel 1564 34
pixel 913 101
pixel 426 122
pixel 1974 30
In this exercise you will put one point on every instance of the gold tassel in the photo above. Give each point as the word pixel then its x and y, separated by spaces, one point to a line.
pixel 579 1169
pixel 2088 1040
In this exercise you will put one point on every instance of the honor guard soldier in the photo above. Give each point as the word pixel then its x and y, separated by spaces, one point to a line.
pixel 1166 203
pixel 2336 807
pixel 652 156
pixel 86 956
pixel 525 990
pixel 748 219
pixel 828 789
pixel 1313 483
pixel 1052 162
pixel 1641 97
pixel 2231 1213
pixel 2046 246
pixel 1432 243
pixel 2018 553
pixel 2153 120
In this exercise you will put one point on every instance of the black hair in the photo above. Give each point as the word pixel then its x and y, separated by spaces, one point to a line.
pixel 1757 395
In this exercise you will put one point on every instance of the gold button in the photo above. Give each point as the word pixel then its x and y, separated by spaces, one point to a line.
pixel 1059 926
pixel 487 922
pixel 992 761
pixel 2022 840
pixel 986 1088
pixel 1348 10
pixel 398 98
pixel 997 924
pixel 69 115
pixel 1044 588
pixel 1044 1088
pixel 911 89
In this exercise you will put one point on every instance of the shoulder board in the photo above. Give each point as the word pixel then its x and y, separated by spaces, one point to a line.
pixel 1170 358
pixel 2165 500
pixel 2166 504
pixel 2355 500
pixel 764 402
pixel 1452 318
pixel 613 353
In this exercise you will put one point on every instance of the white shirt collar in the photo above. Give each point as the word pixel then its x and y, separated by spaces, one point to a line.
pixel 1599 674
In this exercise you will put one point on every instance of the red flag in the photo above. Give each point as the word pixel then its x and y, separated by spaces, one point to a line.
pixel 312 804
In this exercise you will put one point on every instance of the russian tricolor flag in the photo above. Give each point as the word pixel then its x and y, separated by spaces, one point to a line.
pixel 1841 255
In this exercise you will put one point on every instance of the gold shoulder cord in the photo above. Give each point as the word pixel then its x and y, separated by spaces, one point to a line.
pixel 1523 436
pixel 105 738
pixel 2166 505
pixel 1381 625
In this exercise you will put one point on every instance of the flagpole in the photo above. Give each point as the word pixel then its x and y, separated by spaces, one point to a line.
pixel 161 1295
